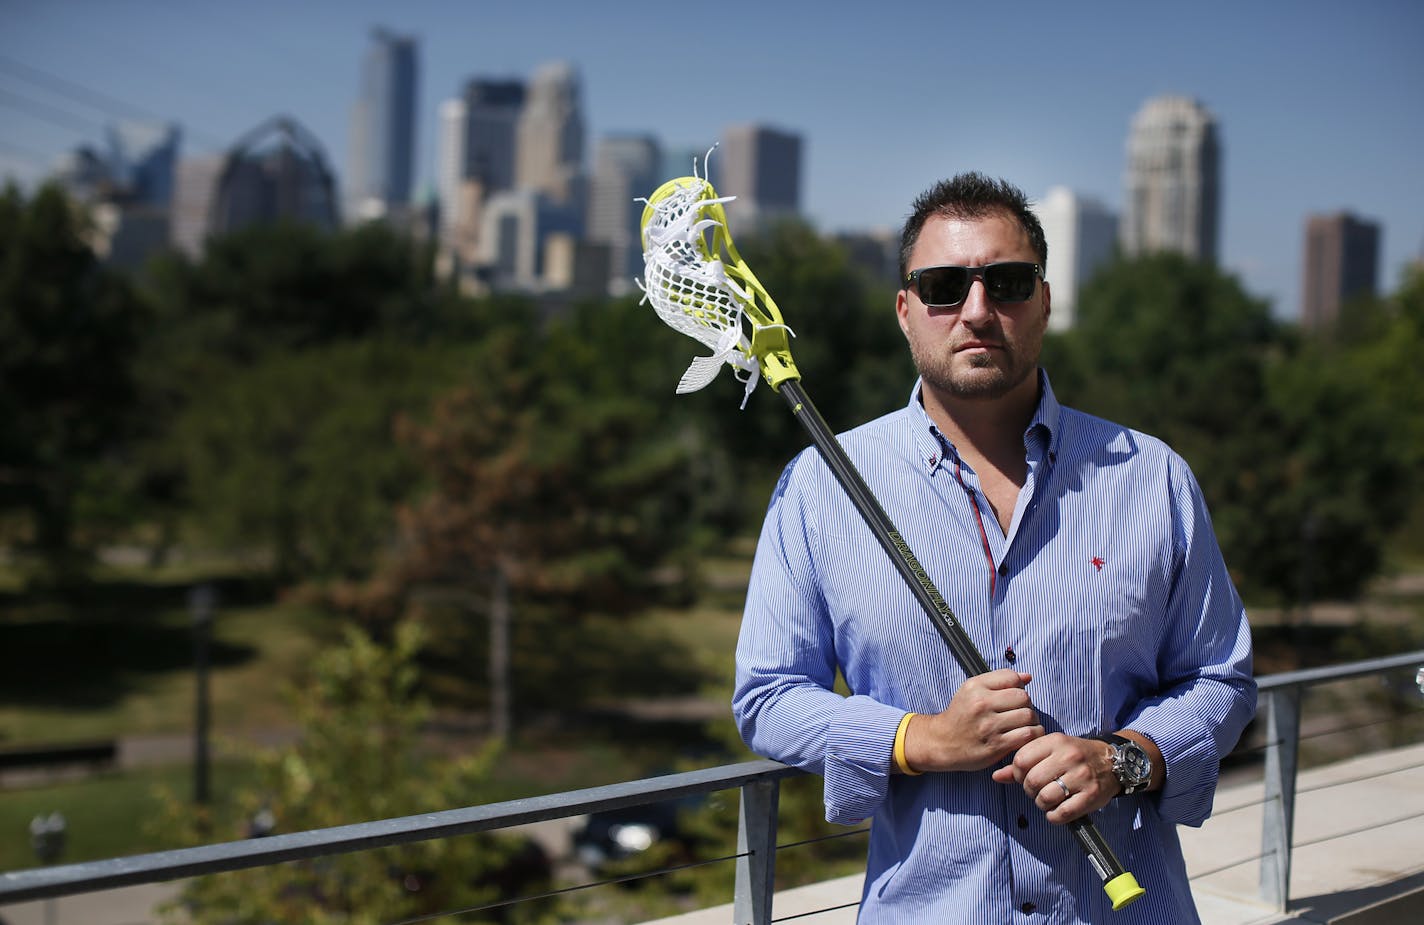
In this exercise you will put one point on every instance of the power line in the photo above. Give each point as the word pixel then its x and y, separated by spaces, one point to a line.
pixel 46 112
pixel 98 100
pixel 93 98
pixel 22 154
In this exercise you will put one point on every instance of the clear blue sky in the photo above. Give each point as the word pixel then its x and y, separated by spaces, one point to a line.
pixel 1320 104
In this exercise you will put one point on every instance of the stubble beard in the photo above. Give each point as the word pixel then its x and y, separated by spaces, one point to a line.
pixel 979 378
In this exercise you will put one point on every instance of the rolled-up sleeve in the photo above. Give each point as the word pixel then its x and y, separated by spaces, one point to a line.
pixel 785 703
pixel 1210 694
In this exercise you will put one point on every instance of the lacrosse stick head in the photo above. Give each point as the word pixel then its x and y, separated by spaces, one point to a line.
pixel 700 286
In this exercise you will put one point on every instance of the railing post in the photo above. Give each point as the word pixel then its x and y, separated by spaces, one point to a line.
pixel 1278 818
pixel 756 852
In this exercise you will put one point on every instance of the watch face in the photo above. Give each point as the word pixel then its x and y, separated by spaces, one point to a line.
pixel 1133 767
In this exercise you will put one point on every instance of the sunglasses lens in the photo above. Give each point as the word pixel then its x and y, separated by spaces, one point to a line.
pixel 1010 282
pixel 944 285
pixel 947 286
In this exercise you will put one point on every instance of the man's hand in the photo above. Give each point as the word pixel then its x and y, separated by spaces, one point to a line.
pixel 1083 765
pixel 988 718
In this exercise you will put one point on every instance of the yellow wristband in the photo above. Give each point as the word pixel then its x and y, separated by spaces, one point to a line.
pixel 898 755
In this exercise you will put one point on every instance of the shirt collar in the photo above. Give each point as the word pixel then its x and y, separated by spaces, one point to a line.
pixel 1042 437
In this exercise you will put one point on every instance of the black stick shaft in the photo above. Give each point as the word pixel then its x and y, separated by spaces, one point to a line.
pixel 970 659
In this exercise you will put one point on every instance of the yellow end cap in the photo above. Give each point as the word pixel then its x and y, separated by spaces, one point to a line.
pixel 1122 890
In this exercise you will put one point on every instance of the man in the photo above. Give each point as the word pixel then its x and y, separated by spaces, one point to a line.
pixel 1079 556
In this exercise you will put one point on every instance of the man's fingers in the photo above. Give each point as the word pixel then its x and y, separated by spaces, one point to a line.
pixel 1022 726
pixel 1004 678
pixel 1067 810
pixel 1019 738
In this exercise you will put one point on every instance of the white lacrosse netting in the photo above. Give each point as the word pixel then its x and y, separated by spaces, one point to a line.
pixel 690 290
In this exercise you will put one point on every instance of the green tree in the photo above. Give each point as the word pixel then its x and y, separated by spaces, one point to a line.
pixel 1336 485
pixel 848 345
pixel 290 287
pixel 560 492
pixel 271 379
pixel 297 454
pixel 1389 363
pixel 68 335
pixel 358 758
pixel 560 469
pixel 1174 348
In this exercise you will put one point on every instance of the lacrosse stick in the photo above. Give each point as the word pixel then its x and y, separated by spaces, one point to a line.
pixel 699 285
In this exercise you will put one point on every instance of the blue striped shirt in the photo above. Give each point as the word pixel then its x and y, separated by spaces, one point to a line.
pixel 1109 587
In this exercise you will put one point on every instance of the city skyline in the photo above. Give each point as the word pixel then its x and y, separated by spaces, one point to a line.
pixel 1317 110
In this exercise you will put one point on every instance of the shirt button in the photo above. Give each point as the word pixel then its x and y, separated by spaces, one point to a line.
pixel 1004 569
pixel 1028 908
pixel 1023 821
pixel 1009 655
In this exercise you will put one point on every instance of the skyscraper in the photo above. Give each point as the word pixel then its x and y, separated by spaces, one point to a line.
pixel 450 143
pixel 551 136
pixel 476 159
pixel 1082 234
pixel 1341 262
pixel 383 128
pixel 761 166
pixel 625 167
pixel 1173 185
pixel 492 112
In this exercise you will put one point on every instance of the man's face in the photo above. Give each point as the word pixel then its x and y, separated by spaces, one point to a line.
pixel 979 349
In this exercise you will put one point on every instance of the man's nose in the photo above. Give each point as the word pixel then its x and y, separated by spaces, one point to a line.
pixel 976 307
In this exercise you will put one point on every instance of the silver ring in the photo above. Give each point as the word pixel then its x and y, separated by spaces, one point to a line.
pixel 1066 792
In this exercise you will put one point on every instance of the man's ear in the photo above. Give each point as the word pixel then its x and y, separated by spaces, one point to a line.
pixel 902 308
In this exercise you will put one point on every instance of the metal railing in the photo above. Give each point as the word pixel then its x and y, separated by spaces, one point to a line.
pixel 758 781
pixel 1280 704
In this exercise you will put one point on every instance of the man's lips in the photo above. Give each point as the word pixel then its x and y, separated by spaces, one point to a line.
pixel 977 345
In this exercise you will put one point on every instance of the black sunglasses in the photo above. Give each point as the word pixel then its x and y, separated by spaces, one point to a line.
pixel 947 286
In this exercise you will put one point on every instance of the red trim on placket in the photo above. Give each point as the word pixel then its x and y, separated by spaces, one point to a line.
pixel 983 534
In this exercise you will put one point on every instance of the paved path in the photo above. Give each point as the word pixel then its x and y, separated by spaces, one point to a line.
pixel 128 906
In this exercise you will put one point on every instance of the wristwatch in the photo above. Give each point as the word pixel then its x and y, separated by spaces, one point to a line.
pixel 1131 765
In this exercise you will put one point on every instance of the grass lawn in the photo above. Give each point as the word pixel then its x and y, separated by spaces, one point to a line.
pixel 109 815
pixel 67 679
pixel 113 814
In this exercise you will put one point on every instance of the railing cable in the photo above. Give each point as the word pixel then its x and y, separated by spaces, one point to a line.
pixel 1323 733
pixel 1325 786
pixel 822 838
pixel 1304 844
pixel 534 897
pixel 803 915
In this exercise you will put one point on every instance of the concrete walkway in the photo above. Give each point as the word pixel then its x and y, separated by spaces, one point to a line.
pixel 1359 842
pixel 133 905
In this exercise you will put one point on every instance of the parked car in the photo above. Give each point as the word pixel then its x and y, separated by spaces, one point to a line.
pixel 617 834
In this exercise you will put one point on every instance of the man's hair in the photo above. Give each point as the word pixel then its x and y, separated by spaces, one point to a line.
pixel 971 195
